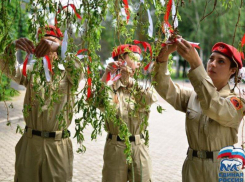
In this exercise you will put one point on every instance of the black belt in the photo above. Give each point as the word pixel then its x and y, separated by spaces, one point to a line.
pixel 202 154
pixel 46 134
pixel 131 138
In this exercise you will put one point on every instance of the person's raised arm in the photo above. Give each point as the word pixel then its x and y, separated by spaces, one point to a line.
pixel 174 94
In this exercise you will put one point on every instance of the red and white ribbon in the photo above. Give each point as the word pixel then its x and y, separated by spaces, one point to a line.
pixel 193 44
pixel 111 78
pixel 74 9
pixel 89 79
pixel 46 69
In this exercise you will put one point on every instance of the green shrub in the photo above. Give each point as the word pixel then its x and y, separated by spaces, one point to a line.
pixel 6 92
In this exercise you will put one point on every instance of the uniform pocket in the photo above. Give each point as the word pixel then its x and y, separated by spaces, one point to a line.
pixel 213 128
pixel 192 121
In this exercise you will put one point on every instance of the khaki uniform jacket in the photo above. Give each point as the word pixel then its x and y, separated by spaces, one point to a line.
pixel 212 120
pixel 44 159
pixel 115 168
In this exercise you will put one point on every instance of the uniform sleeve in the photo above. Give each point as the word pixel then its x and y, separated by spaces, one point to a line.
pixel 146 96
pixel 13 72
pixel 213 105
pixel 74 69
pixel 173 93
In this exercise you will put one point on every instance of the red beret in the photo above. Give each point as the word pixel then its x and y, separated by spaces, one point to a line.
pixel 51 30
pixel 125 48
pixel 229 51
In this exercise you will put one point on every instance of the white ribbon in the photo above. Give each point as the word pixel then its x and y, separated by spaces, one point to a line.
pixel 162 2
pixel 64 45
pixel 174 15
pixel 150 28
pixel 45 65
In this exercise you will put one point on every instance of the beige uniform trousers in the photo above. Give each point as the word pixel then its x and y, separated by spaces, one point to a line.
pixel 43 159
pixel 116 169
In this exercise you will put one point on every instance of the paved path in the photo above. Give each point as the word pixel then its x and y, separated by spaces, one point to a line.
pixel 168 145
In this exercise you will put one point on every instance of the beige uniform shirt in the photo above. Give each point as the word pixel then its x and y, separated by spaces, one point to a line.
pixel 115 168
pixel 125 107
pixel 39 118
pixel 212 120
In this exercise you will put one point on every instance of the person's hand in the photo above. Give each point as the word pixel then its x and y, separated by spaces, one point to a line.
pixel 42 49
pixel 25 45
pixel 113 67
pixel 166 51
pixel 189 53
pixel 126 73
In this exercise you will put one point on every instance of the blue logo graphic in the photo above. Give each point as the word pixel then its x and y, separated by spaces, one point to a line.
pixel 229 165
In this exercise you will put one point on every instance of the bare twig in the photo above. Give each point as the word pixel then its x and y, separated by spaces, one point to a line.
pixel 215 3
pixel 238 19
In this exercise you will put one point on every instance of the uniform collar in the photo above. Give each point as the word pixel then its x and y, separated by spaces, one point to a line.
pixel 225 91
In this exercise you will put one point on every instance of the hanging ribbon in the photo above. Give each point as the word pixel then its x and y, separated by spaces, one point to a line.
pixel 126 9
pixel 64 45
pixel 49 64
pixel 150 28
pixel 193 44
pixel 74 9
pixel 89 80
pixel 174 16
pixel 242 44
pixel 46 69
pixel 166 27
pixel 169 6
pixel 25 64
pixel 145 45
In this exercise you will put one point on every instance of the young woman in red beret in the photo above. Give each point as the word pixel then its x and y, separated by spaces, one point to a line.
pixel 213 110
pixel 124 97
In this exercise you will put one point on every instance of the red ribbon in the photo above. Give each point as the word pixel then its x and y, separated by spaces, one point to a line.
pixel 49 64
pixel 88 72
pixel 25 64
pixel 74 9
pixel 145 45
pixel 169 6
pixel 126 9
pixel 166 17
pixel 242 44
pixel 243 40
pixel 108 77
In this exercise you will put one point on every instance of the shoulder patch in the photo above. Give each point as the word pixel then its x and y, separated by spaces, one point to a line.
pixel 236 102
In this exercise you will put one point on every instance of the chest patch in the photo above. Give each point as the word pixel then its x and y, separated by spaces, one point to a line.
pixel 236 102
